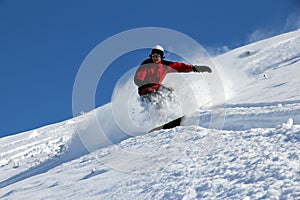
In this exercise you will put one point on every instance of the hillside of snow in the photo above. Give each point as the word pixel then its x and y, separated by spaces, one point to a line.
pixel 255 155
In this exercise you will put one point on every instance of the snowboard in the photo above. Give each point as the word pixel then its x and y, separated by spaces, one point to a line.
pixel 169 125
pixel 173 123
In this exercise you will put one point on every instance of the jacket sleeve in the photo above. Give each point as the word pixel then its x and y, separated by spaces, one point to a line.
pixel 180 67
pixel 141 73
pixel 139 76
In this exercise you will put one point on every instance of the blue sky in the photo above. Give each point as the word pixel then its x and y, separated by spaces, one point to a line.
pixel 43 43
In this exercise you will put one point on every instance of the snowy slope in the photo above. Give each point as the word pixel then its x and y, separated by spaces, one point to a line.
pixel 255 155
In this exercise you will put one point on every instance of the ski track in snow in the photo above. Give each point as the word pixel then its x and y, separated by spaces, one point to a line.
pixel 255 156
pixel 260 115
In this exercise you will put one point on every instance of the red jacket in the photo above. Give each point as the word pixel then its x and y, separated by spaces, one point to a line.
pixel 149 75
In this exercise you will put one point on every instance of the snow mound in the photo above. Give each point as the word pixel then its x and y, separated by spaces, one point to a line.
pixel 183 163
pixel 196 163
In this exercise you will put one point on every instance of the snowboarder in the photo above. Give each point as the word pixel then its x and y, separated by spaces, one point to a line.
pixel 150 75
pixel 152 71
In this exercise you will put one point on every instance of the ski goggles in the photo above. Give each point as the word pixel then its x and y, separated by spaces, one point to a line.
pixel 156 55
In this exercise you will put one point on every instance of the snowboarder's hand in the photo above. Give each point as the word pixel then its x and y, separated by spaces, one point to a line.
pixel 198 68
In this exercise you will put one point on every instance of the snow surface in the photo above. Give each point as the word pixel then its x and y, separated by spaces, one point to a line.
pixel 255 155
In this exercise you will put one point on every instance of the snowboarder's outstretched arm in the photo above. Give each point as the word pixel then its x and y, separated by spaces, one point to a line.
pixel 182 67
pixel 179 67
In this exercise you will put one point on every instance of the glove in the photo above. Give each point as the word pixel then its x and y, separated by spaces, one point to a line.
pixel 198 68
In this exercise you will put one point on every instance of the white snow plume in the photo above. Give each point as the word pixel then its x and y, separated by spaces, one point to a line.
pixel 133 118
pixel 292 21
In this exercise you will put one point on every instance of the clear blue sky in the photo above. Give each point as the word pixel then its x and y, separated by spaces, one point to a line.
pixel 43 43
